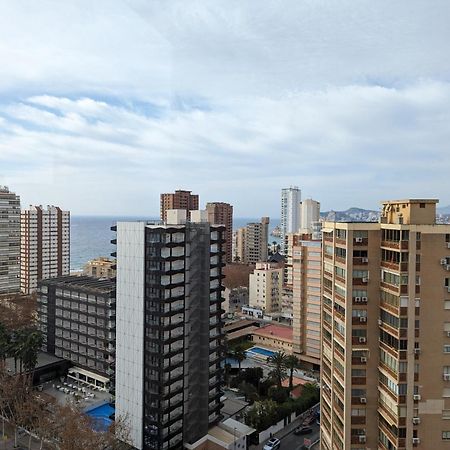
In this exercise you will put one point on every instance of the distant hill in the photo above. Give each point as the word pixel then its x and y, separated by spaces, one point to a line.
pixel 351 215
pixel 444 210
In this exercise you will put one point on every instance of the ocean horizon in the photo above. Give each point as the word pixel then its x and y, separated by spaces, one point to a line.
pixel 90 236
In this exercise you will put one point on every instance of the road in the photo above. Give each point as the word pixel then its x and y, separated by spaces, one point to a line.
pixel 293 442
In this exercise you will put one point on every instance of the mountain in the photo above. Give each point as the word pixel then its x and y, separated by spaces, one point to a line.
pixel 351 215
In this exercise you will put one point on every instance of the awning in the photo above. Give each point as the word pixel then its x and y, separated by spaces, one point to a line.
pixel 87 373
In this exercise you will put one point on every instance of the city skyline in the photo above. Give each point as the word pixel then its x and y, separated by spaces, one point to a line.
pixel 224 102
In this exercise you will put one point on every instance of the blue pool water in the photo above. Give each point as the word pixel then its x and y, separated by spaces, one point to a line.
pixel 101 415
pixel 261 351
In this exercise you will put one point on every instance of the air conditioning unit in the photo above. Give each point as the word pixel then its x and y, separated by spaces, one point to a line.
pixel 380 322
pixel 448 333
pixel 364 299
pixel 363 359
pixel 447 267
pixel 417 350
pixel 416 420
pixel 362 439
pixel 357 299
pixel 363 400
pixel 443 261
pixel 416 397
pixel 362 340
pixel 416 441
pixel 363 319
pixel 446 376
pixel 358 239
pixel 365 280
pixel 365 260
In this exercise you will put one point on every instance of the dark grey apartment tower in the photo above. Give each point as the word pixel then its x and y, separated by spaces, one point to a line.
pixel 169 329
pixel 77 316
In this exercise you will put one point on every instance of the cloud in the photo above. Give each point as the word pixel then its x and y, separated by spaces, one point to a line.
pixel 367 143
pixel 104 105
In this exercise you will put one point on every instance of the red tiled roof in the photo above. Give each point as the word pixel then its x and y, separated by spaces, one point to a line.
pixel 275 331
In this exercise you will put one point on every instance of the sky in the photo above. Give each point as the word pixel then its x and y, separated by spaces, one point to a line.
pixel 106 104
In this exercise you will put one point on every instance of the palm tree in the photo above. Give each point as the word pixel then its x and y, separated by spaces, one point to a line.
pixel 279 371
pixel 238 353
pixel 292 363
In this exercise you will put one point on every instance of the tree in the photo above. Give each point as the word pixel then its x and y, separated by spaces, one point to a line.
pixel 292 363
pixel 238 353
pixel 279 368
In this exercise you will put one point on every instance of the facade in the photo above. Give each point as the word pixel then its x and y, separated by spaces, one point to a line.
pixel 178 200
pixel 9 242
pixel 100 267
pixel 251 242
pixel 386 331
pixel 306 276
pixel 45 245
pixel 220 213
pixel 309 214
pixel 290 211
pixel 169 330
pixel 77 317
pixel 266 283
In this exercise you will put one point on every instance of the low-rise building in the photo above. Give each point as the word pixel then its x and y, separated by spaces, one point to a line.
pixel 101 267
pixel 234 299
pixel 77 317
pixel 275 337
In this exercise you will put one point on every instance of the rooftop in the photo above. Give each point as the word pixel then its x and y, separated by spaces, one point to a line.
pixel 101 285
pixel 275 331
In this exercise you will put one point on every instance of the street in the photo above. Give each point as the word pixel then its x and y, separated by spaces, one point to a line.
pixel 293 442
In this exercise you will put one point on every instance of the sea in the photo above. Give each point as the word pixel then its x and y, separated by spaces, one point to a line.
pixel 90 236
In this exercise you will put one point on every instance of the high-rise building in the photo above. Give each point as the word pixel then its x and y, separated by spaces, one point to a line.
pixel 180 199
pixel 9 241
pixel 309 215
pixel 386 331
pixel 306 283
pixel 169 329
pixel 77 318
pixel 290 211
pixel 45 245
pixel 220 213
pixel 265 285
pixel 251 242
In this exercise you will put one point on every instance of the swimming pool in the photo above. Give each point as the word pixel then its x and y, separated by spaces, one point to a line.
pixel 101 416
pixel 260 351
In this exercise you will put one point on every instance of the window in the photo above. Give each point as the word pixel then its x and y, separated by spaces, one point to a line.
pixel 446 304
pixel 446 435
pixel 446 348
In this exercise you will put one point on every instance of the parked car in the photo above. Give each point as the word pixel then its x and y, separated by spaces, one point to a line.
pixel 303 430
pixel 272 444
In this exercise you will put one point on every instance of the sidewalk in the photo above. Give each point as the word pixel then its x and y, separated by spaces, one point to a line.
pixel 22 440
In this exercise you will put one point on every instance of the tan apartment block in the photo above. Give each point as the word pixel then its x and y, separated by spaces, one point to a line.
pixel 306 276
pixel 251 242
pixel 385 331
pixel 265 286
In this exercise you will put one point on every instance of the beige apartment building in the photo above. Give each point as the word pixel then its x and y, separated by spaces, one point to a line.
pixel 251 242
pixel 306 282
pixel 178 200
pixel 101 267
pixel 44 246
pixel 220 213
pixel 386 331
pixel 266 283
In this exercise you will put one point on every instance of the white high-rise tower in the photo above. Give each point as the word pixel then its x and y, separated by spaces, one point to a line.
pixel 290 211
